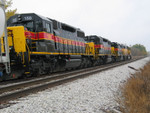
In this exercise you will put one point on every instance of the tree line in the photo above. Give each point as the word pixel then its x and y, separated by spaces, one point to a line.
pixel 138 50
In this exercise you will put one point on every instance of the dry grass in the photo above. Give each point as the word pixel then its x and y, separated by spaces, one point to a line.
pixel 135 95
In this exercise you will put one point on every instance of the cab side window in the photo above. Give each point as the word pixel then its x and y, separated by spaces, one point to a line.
pixel 48 28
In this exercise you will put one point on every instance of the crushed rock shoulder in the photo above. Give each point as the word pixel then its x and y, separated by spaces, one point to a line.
pixel 94 94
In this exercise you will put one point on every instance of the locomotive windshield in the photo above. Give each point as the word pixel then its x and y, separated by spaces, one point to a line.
pixel 22 20
pixel 28 25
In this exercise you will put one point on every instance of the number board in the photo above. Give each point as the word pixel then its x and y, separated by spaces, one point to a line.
pixel 27 18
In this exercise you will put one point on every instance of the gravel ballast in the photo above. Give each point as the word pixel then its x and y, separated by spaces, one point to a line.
pixel 93 94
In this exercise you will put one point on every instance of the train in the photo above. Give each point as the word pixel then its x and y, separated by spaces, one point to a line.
pixel 40 45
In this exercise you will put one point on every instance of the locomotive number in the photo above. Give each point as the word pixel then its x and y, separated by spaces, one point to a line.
pixel 28 17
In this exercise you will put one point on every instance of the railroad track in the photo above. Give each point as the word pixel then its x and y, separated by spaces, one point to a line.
pixel 14 91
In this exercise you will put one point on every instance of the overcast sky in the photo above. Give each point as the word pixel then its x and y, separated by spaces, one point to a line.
pixel 123 21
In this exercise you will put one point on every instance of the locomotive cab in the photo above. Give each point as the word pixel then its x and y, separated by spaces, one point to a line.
pixel 37 30
pixel 107 51
pixel 118 51
pixel 98 43
pixel 26 35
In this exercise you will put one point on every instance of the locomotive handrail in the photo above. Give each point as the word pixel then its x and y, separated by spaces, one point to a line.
pixel 28 51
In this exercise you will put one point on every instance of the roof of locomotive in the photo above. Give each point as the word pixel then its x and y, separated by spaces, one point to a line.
pixel 116 44
pixel 30 16
pixel 64 24
pixel 106 40
pixel 95 36
pixel 42 17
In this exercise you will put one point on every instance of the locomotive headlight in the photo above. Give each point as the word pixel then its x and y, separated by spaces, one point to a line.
pixel 19 18
pixel 2 18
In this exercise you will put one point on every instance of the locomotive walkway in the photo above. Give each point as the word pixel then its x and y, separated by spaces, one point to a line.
pixel 14 91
